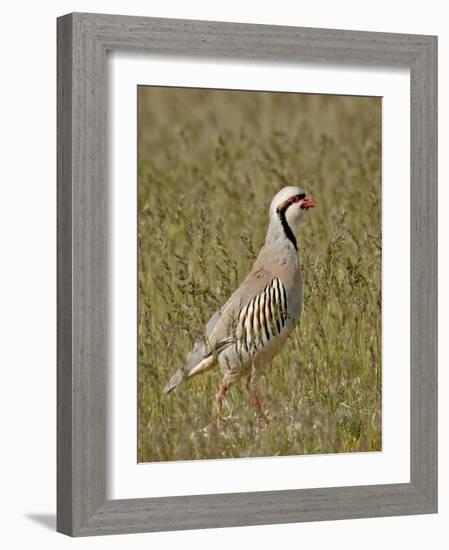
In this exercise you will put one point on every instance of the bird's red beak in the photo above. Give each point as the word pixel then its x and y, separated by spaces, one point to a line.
pixel 308 202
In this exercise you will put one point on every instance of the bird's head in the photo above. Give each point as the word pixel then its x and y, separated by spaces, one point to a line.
pixel 289 206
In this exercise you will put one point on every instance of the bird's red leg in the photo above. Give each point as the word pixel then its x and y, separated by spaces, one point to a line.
pixel 224 386
pixel 257 402
pixel 256 399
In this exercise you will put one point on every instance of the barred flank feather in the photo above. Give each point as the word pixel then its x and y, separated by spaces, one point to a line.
pixel 263 317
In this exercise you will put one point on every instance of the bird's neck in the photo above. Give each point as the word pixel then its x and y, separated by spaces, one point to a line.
pixel 281 238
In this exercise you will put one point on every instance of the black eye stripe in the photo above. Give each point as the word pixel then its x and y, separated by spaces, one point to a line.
pixel 300 197
pixel 295 198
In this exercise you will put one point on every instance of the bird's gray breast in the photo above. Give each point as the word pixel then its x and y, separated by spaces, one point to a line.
pixel 295 296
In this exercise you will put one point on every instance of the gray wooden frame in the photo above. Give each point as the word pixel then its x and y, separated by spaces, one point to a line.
pixel 83 40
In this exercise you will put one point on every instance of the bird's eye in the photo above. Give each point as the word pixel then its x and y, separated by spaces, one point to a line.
pixel 297 198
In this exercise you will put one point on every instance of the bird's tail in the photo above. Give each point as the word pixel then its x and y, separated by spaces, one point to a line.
pixel 183 374
pixel 175 380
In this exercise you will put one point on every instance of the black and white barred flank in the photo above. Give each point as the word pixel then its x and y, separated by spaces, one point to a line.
pixel 263 318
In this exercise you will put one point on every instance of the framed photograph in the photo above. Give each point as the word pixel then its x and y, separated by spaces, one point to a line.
pixel 247 274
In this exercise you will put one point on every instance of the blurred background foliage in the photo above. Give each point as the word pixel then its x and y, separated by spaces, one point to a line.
pixel 210 162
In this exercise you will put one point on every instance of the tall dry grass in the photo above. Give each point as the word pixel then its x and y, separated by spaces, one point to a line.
pixel 209 165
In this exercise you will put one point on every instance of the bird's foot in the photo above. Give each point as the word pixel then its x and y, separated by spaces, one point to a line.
pixel 263 419
pixel 223 421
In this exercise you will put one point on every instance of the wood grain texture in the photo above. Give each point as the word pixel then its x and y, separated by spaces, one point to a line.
pixel 64 277
pixel 83 40
pixel 423 274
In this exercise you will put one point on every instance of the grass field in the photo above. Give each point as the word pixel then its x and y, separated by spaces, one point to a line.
pixel 209 164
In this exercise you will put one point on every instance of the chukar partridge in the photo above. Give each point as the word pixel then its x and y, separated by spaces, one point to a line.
pixel 253 325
